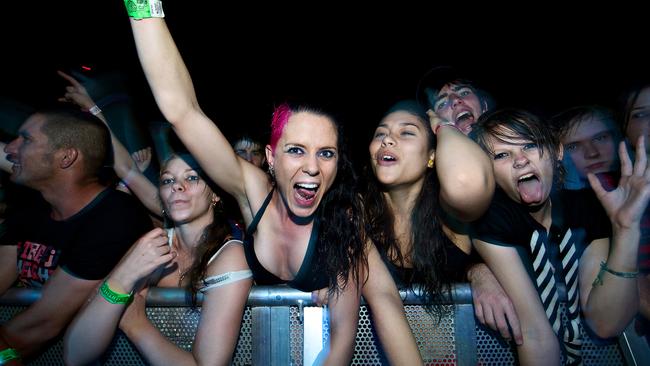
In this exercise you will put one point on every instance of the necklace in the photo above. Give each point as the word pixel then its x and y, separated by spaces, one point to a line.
pixel 170 241
pixel 181 275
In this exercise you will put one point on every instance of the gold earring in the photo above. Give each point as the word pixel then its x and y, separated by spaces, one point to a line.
pixel 430 163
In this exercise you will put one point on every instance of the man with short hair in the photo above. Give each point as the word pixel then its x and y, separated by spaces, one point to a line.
pixel 71 241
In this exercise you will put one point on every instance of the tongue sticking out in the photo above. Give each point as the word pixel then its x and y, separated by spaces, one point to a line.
pixel 530 190
pixel 464 122
pixel 305 196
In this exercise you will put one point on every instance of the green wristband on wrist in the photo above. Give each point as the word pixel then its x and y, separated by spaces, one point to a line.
pixel 8 355
pixel 142 9
pixel 114 297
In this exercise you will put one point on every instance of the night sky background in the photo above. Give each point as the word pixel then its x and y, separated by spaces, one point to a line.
pixel 245 58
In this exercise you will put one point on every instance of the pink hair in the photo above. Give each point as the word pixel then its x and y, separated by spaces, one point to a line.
pixel 280 118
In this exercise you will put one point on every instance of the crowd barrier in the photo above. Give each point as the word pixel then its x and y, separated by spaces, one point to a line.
pixel 282 326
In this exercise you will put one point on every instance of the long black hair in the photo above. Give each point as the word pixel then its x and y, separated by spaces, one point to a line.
pixel 428 243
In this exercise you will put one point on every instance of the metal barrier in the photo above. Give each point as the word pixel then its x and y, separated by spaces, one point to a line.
pixel 282 326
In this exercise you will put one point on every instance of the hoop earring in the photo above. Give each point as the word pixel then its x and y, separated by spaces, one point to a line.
pixel 272 171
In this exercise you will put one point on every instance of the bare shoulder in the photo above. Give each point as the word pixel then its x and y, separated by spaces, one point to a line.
pixel 230 258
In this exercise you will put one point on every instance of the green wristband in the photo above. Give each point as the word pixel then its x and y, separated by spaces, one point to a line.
pixel 8 355
pixel 114 297
pixel 142 9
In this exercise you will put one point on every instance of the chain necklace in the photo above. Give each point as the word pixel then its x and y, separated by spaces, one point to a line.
pixel 170 241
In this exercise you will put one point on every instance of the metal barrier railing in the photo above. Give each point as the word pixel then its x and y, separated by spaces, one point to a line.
pixel 259 296
pixel 282 326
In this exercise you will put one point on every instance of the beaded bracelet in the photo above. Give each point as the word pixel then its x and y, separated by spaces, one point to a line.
pixel 604 268
pixel 8 354
pixel 138 9
pixel 114 297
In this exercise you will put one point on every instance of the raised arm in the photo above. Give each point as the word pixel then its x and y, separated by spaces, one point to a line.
pixel 609 291
pixel 123 164
pixel 174 92
pixel 464 171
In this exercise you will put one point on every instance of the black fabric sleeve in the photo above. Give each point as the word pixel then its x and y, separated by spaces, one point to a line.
pixel 503 223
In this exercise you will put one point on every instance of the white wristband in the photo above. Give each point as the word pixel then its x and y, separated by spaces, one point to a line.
pixel 95 110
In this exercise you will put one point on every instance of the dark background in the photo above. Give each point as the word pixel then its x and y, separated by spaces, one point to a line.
pixel 245 58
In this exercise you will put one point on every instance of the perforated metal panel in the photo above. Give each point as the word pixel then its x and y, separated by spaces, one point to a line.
pixel 493 350
pixel 366 350
pixel 434 338
pixel 436 341
pixel 52 356
pixel 244 352
pixel 296 331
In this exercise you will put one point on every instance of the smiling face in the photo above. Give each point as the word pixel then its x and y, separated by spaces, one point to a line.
pixel 522 169
pixel 400 149
pixel 591 146
pixel 638 122
pixel 460 104
pixel 31 154
pixel 184 194
pixel 305 161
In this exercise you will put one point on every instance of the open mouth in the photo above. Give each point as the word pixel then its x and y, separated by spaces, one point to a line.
pixel 305 193
pixel 385 158
pixel 465 117
pixel 530 188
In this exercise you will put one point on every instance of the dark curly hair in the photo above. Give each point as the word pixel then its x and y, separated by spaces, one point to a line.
pixel 428 243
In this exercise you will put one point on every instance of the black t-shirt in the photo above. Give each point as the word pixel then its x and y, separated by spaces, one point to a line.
pixel 87 245
pixel 577 216
pixel 552 257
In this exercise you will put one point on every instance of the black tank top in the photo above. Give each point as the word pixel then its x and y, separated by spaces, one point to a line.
pixel 308 278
